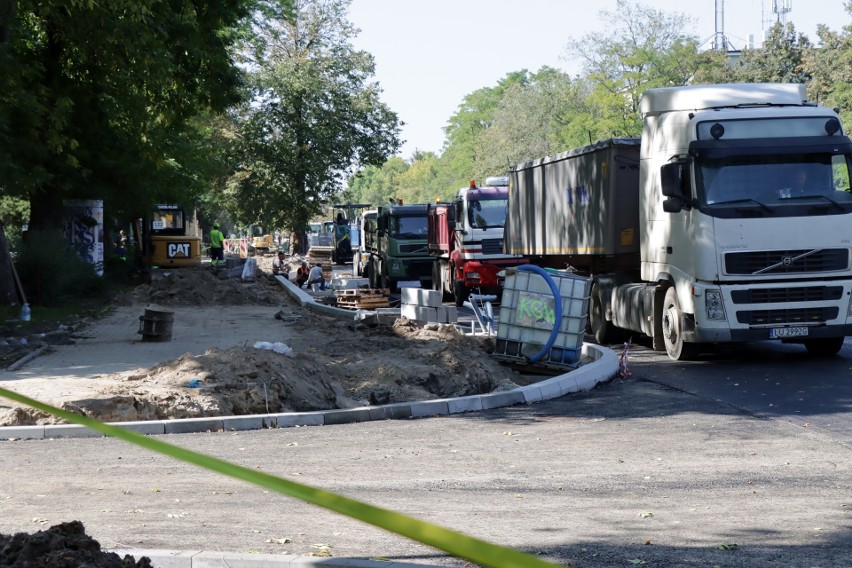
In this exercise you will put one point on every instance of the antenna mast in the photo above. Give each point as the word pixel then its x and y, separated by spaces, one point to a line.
pixel 720 43
pixel 781 8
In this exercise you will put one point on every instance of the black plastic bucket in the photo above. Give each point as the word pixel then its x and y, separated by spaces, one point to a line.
pixel 156 325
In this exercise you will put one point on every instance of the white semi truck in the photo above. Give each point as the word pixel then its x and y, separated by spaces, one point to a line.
pixel 731 221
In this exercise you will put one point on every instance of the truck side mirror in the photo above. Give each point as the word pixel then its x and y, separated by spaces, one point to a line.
pixel 674 180
pixel 382 225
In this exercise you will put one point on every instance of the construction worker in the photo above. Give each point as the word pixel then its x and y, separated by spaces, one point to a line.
pixel 280 267
pixel 217 246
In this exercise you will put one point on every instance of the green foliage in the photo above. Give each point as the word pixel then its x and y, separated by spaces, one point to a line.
pixel 780 60
pixel 530 115
pixel 831 74
pixel 642 48
pixel 14 213
pixel 314 116
pixel 100 96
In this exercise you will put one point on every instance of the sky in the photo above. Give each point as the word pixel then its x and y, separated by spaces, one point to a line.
pixel 430 54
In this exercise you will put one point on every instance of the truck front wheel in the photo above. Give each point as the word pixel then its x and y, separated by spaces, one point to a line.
pixel 672 332
pixel 825 346
pixel 460 292
pixel 602 329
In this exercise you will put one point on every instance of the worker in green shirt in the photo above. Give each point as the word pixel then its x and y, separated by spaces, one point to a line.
pixel 217 246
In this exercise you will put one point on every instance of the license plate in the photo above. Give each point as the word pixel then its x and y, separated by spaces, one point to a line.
pixel 783 332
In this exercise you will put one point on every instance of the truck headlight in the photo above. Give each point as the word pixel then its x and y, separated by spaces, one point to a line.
pixel 472 276
pixel 714 307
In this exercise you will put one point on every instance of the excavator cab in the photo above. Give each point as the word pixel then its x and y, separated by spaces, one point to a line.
pixel 169 238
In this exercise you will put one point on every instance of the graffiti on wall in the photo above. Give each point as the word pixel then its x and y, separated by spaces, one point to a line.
pixel 84 230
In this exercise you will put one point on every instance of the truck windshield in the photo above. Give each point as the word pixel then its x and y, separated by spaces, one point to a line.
pixel 774 179
pixel 408 227
pixel 487 213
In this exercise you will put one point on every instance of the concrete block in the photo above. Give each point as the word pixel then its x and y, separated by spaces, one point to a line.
pixel 69 431
pixel 290 419
pixel 531 394
pixel 145 427
pixel 349 283
pixel 21 432
pixel 229 560
pixel 252 422
pixel 429 408
pixel 420 297
pixel 501 399
pixel 567 383
pixel 550 389
pixel 419 313
pixel 192 425
pixel 464 404
pixel 346 416
pixel 452 314
pixel 396 411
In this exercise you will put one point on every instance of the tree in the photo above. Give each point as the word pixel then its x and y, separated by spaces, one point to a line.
pixel 464 144
pixel 829 68
pixel 314 116
pixel 643 48
pixel 780 60
pixel 100 97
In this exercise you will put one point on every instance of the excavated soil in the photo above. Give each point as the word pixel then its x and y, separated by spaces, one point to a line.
pixel 330 363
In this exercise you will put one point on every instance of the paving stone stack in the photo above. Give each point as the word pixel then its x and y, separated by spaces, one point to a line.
pixel 425 306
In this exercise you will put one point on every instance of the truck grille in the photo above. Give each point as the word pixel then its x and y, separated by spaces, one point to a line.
pixel 787 261
pixel 492 246
pixel 783 295
pixel 781 317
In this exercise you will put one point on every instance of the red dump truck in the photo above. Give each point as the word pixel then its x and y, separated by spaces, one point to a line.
pixel 466 241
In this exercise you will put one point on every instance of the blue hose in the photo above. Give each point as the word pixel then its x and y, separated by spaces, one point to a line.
pixel 557 297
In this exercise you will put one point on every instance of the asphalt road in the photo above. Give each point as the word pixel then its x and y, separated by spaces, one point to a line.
pixel 682 464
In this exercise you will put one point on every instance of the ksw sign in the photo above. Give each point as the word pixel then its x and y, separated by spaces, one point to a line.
pixel 178 250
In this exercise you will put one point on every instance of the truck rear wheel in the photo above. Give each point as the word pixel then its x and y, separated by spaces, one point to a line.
pixel 824 346
pixel 672 332
pixel 602 329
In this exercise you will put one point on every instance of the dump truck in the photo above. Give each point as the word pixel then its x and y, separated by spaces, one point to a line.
pixel 398 248
pixel 694 234
pixel 466 241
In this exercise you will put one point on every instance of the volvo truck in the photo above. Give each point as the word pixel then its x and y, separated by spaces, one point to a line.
pixel 398 247
pixel 730 220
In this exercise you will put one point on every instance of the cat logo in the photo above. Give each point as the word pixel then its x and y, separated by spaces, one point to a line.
pixel 178 250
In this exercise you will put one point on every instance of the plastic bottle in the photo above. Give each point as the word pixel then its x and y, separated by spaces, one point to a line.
pixel 25 312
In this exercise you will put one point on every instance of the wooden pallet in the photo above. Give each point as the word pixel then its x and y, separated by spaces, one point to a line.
pixel 363 298
pixel 362 303
pixel 363 292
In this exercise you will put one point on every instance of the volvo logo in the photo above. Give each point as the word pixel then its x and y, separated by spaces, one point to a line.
pixel 787 261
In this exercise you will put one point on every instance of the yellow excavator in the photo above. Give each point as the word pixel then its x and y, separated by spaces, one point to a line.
pixel 169 238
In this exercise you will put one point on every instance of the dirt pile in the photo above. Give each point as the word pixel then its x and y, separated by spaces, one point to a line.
pixel 61 546
pixel 326 362
pixel 205 286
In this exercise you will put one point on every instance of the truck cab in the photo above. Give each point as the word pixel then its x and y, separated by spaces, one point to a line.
pixel 398 249
pixel 466 241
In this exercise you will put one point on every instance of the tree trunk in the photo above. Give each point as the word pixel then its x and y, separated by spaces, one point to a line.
pixel 8 290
